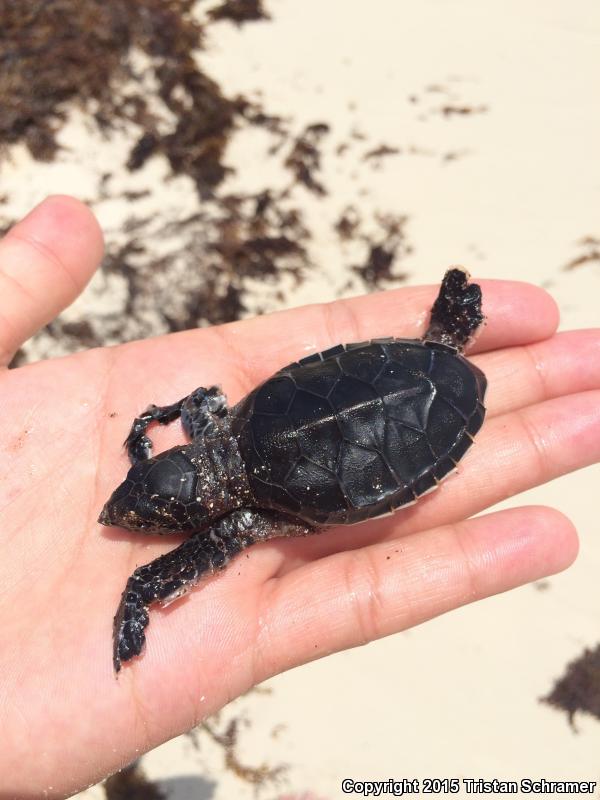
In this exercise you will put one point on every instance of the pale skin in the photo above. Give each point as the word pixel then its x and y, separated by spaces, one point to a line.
pixel 66 720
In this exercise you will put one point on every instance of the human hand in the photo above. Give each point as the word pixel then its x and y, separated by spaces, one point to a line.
pixel 67 722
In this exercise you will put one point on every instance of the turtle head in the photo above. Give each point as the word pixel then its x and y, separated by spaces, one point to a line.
pixel 161 495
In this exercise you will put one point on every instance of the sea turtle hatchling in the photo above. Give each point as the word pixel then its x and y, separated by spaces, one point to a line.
pixel 338 437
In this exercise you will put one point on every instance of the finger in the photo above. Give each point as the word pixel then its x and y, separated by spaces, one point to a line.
pixel 45 262
pixel 354 597
pixel 512 453
pixel 566 363
pixel 509 306
pixel 241 354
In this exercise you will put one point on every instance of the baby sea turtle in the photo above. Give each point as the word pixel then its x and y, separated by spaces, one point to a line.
pixel 338 437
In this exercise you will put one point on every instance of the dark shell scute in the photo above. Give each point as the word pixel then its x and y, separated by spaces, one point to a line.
pixel 315 486
pixel 359 412
pixel 364 475
pixel 275 443
pixel 365 364
pixel 454 381
pixel 410 358
pixel 274 493
pixel 407 396
pixel 313 358
pixel 365 425
pixel 319 379
pixel 408 452
pixel 275 396
pixel 444 466
pixel 333 351
pixel 323 448
pixel 460 447
pixel 307 408
pixel 476 420
pixel 352 393
pixel 283 498
pixel 445 426
pixel 425 484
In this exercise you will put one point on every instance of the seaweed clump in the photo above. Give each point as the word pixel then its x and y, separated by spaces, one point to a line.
pixel 228 740
pixel 239 11
pixel 133 67
pixel 590 246
pixel 244 238
pixel 383 247
pixel 304 160
pixel 101 56
pixel 131 784
pixel 579 687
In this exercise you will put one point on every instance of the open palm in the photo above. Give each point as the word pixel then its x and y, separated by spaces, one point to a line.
pixel 67 721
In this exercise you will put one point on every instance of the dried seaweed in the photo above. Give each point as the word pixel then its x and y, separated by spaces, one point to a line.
pixel 377 153
pixel 239 11
pixel 452 104
pixel 69 52
pixel 579 687
pixel 348 223
pixel 591 253
pixel 378 265
pixel 383 247
pixel 304 159
pixel 131 784
pixel 256 237
pixel 461 111
pixel 257 776
pixel 203 278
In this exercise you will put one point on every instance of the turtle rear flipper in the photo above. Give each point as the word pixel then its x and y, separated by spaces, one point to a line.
pixel 456 313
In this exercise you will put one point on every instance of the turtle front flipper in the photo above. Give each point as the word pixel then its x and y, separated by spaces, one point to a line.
pixel 202 410
pixel 199 412
pixel 137 444
pixel 172 575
